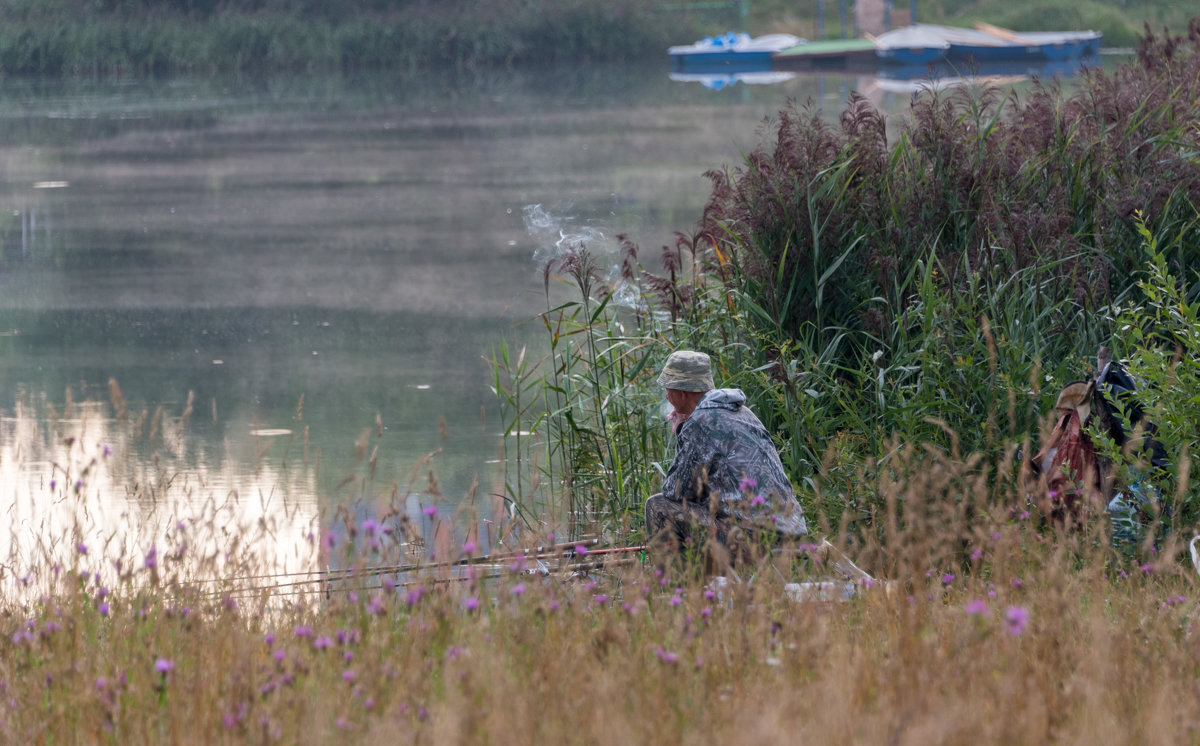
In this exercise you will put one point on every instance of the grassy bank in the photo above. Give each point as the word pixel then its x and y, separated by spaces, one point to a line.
pixel 987 630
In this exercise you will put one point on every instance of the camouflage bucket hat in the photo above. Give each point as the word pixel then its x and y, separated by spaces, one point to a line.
pixel 687 370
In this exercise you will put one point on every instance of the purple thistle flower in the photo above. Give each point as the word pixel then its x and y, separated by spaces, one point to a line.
pixel 269 639
pixel 81 548
pixel 164 665
pixel 469 547
pixel 322 642
pixel 948 578
pixel 747 484
pixel 414 595
pixel 103 608
pixel 977 555
pixel 600 598
pixel 107 450
pixel 976 607
pixel 471 604
pixel 376 604
pixel 302 631
pixel 581 550
pixel 430 510
pixel 1017 582
pixel 348 675
pixel 675 601
pixel 370 526
pixel 280 654
pixel 1015 620
pixel 518 589
pixel 758 500
pixel 152 557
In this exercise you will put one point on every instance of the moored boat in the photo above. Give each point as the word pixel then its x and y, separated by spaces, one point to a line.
pixel 1053 45
pixel 830 54
pixel 730 49
pixel 911 45
pixel 925 43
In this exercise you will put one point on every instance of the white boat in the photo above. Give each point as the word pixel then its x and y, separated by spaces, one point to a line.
pixel 731 49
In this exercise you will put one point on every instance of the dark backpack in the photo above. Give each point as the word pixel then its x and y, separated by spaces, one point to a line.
pixel 1122 418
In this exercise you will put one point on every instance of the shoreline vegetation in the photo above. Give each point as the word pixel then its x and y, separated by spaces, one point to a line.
pixel 876 294
pixel 901 313
pixel 145 37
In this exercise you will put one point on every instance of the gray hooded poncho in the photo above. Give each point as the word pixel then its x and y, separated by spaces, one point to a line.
pixel 724 453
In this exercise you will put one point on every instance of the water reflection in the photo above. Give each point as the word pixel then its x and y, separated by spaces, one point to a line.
pixel 79 490
pixel 899 78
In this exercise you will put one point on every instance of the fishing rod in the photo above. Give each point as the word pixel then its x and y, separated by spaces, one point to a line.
pixel 555 551
pixel 493 574
pixel 538 552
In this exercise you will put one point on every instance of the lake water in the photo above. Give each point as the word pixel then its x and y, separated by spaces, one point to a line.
pixel 252 301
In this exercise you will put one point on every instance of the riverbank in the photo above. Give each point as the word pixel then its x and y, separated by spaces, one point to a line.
pixel 1035 639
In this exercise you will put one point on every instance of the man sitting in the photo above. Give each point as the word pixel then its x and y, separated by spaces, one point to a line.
pixel 726 481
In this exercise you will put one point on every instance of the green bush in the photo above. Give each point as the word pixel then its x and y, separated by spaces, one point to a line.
pixel 1160 339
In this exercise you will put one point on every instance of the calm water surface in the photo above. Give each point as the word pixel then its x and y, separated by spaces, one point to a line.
pixel 294 283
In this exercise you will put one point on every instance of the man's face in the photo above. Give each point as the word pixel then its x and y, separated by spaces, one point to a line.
pixel 684 402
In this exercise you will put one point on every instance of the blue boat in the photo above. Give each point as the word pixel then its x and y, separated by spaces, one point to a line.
pixel 1053 45
pixel 911 45
pixel 730 50
pixel 940 75
pixel 929 43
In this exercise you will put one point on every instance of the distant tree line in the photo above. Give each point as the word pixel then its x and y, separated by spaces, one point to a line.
pixel 152 36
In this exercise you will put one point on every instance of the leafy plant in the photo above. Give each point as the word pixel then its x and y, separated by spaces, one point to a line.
pixel 1160 338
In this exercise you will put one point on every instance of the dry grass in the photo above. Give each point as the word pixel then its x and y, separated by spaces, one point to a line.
pixel 990 628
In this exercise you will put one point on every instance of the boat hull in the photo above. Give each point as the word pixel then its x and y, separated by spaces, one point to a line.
pixel 911 55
